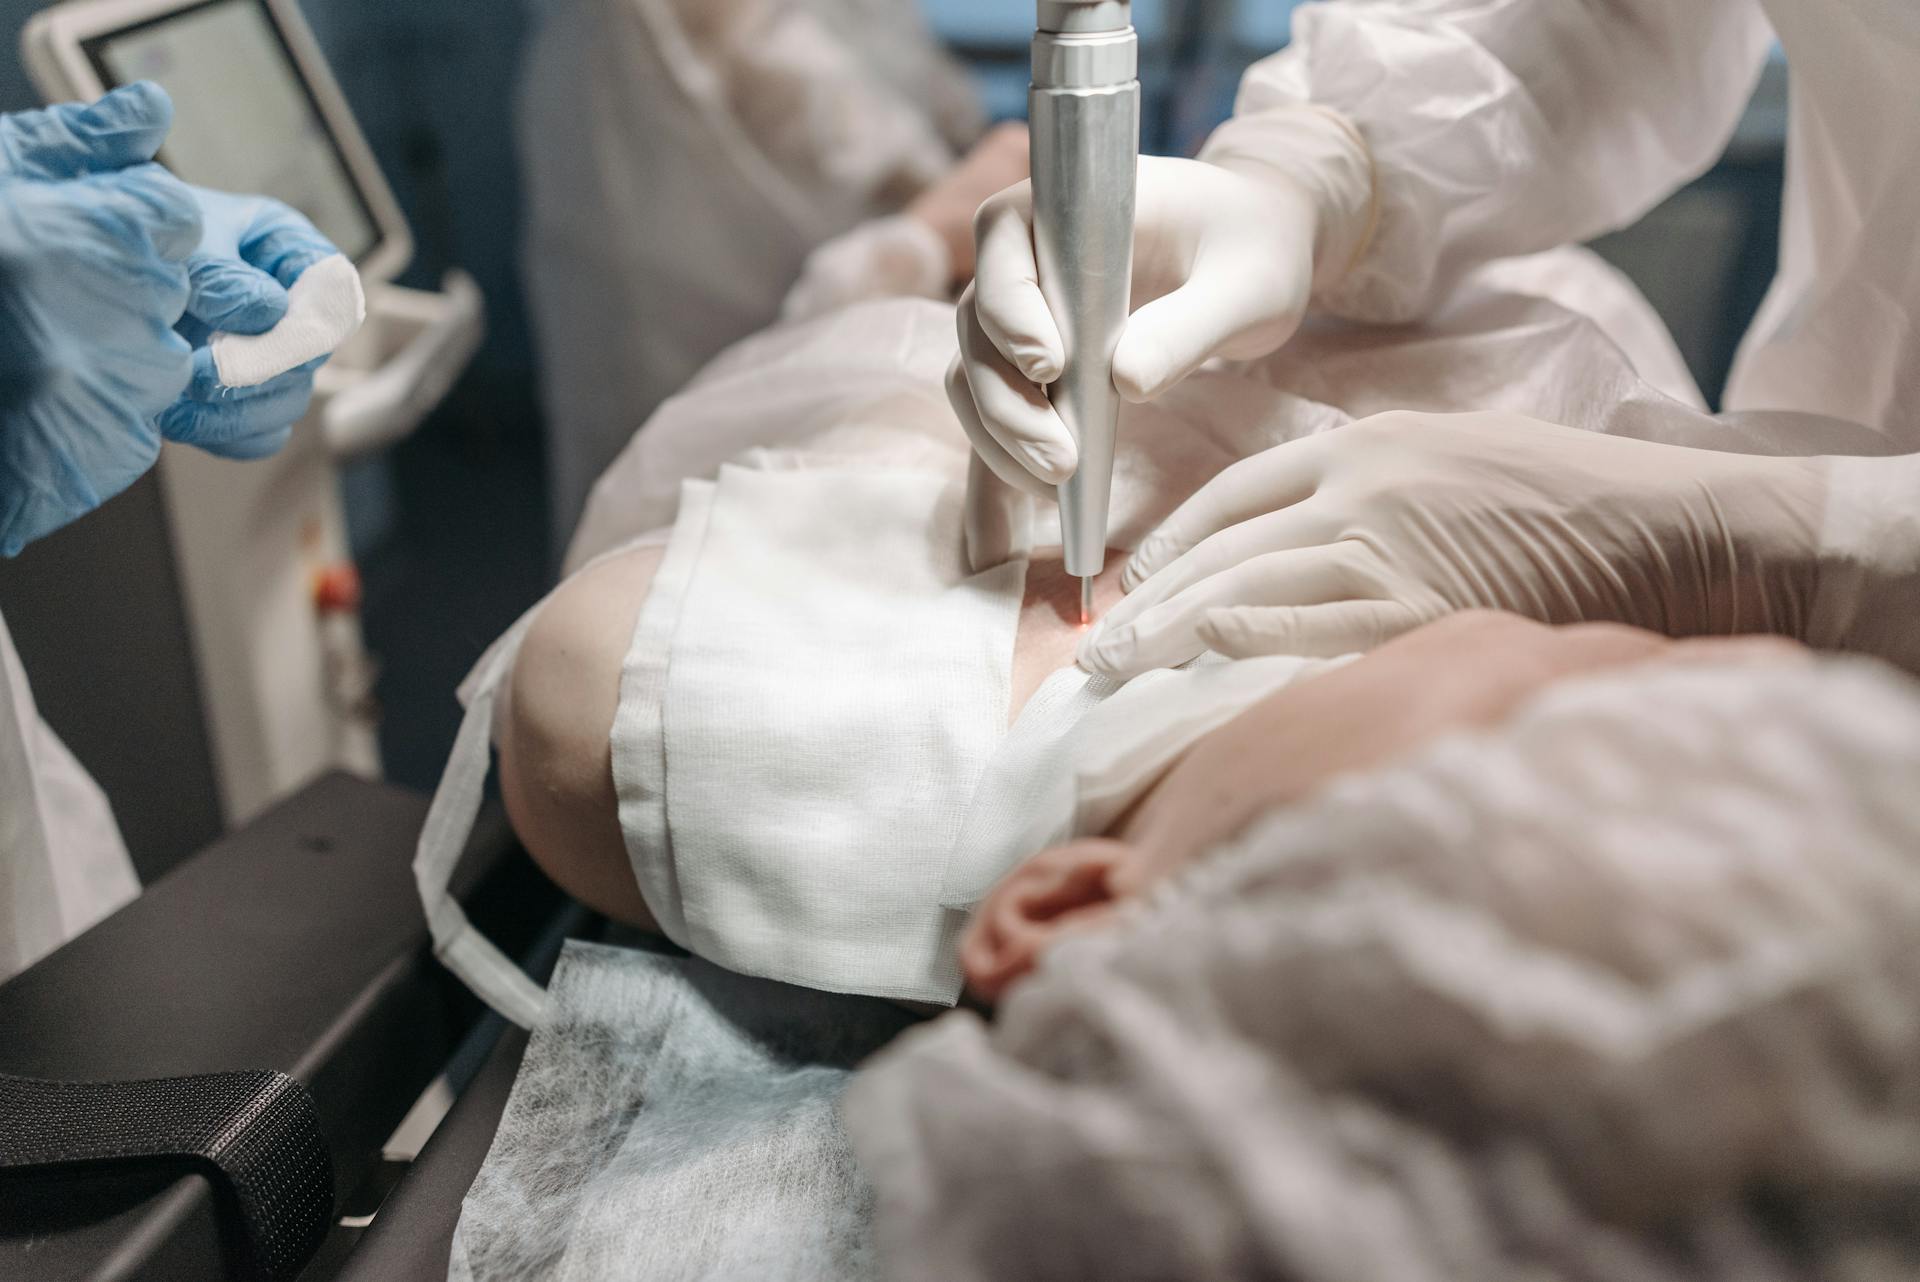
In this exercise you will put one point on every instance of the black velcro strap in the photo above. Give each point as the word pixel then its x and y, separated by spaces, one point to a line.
pixel 256 1135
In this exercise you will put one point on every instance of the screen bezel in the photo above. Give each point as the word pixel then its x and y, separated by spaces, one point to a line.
pixel 57 46
pixel 95 48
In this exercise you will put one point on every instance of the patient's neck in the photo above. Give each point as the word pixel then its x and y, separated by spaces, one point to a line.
pixel 1050 620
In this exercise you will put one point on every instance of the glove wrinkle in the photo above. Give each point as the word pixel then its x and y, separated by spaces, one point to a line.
pixel 1493 511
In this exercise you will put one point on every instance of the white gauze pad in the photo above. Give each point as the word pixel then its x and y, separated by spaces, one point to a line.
pixel 837 683
pixel 638 739
pixel 324 308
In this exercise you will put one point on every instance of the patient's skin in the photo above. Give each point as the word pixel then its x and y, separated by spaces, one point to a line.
pixel 556 762
pixel 1466 672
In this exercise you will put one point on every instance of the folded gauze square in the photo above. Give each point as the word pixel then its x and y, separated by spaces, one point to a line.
pixel 837 682
pixel 324 308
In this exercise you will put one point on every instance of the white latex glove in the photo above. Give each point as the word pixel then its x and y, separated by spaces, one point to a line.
pixel 1227 251
pixel 1336 542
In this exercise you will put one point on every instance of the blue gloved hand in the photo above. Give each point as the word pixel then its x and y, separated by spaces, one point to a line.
pixel 251 249
pixel 94 244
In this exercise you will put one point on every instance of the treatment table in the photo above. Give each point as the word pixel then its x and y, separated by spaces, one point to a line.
pixel 284 977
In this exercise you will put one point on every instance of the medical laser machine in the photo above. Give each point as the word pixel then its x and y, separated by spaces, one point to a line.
pixel 271 594
pixel 1084 112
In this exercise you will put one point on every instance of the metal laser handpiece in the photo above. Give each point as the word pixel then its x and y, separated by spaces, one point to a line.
pixel 1084 111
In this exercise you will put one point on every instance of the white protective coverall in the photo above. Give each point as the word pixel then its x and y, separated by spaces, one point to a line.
pixel 682 158
pixel 63 866
pixel 1498 127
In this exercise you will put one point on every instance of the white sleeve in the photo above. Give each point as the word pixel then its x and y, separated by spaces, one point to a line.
pixel 898 256
pixel 1501 127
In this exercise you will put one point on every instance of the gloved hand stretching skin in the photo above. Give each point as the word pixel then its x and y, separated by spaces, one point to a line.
pixel 1227 251
pixel 1337 542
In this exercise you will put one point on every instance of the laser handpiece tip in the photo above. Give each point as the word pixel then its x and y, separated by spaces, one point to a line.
pixel 1086 600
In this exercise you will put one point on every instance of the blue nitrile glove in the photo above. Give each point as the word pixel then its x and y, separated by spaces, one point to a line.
pixel 252 248
pixel 94 243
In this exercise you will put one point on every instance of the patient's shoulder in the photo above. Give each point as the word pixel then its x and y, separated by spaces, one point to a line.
pixel 556 767
pixel 566 678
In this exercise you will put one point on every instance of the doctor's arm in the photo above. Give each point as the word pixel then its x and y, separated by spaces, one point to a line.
pixel 1500 128
pixel 1390 149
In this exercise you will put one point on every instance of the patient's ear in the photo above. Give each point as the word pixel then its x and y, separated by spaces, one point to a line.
pixel 1061 889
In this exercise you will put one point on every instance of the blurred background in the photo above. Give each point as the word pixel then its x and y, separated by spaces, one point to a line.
pixel 451 529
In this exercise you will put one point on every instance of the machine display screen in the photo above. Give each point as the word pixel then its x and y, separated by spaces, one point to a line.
pixel 244 119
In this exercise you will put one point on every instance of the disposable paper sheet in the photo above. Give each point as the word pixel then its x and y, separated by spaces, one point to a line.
pixel 671 1120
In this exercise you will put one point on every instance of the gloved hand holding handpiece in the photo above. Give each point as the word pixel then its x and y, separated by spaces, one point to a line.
pixel 252 252
pixel 1227 251
pixel 114 275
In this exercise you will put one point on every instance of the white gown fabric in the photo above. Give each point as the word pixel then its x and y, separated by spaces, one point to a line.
pixel 1560 335
pixel 682 158
pixel 1500 127
pixel 1622 991
pixel 63 866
